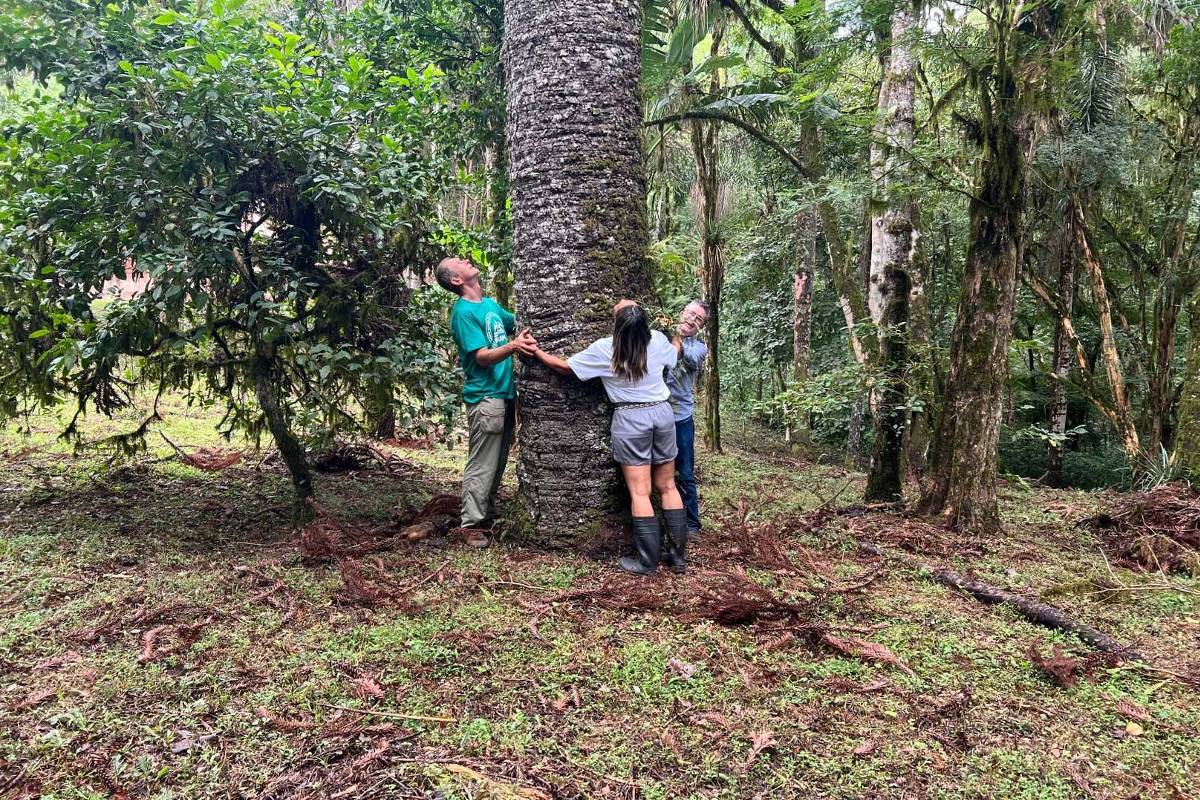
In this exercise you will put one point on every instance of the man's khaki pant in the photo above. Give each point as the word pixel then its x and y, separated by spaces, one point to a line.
pixel 490 425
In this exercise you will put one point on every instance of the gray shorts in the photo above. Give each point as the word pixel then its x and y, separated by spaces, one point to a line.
pixel 643 436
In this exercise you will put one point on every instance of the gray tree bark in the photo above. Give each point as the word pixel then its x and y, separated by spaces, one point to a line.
pixel 1066 256
pixel 893 256
pixel 705 137
pixel 1187 440
pixel 573 73
pixel 807 222
pixel 961 485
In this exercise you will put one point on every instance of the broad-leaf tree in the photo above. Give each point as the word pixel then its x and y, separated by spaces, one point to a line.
pixel 275 189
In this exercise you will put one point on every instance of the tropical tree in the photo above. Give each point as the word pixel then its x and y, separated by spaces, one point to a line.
pixel 573 76
pixel 277 194
pixel 962 480
pixel 894 253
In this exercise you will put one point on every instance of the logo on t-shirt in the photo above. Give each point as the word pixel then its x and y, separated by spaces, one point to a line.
pixel 493 328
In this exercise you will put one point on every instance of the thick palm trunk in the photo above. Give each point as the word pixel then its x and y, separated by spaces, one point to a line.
pixel 961 485
pixel 893 258
pixel 577 180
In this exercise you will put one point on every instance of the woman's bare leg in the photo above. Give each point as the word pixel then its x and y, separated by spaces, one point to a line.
pixel 664 484
pixel 637 478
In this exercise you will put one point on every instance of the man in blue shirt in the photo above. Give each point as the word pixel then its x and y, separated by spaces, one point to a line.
pixel 481 329
pixel 681 381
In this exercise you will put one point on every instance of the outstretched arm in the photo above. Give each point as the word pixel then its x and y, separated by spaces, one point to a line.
pixel 553 362
pixel 523 344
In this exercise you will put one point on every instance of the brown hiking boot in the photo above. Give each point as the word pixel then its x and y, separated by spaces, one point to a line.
pixel 474 536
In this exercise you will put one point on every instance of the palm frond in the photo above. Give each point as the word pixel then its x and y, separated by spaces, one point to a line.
pixel 1100 87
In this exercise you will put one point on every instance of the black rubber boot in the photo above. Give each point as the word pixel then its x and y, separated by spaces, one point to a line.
pixel 675 549
pixel 647 541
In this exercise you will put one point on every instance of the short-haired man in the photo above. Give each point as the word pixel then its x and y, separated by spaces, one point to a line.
pixel 481 329
pixel 681 381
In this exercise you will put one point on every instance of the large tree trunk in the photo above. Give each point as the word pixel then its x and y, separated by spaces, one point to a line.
pixel 893 258
pixel 1065 253
pixel 573 74
pixel 961 485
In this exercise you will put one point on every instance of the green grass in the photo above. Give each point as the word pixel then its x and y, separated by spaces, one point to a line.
pixel 562 696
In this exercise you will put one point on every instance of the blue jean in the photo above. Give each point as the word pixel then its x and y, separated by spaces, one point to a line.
pixel 685 470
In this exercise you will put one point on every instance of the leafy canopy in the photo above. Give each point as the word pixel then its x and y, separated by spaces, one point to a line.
pixel 275 185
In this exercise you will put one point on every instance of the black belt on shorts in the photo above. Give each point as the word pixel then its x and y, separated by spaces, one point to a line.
pixel 651 404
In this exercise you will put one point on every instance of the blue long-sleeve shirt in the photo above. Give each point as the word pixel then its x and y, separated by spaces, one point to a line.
pixel 682 379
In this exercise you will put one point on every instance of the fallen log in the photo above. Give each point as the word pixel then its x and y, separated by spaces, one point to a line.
pixel 1035 612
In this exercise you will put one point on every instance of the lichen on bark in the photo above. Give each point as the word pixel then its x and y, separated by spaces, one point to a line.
pixel 572 72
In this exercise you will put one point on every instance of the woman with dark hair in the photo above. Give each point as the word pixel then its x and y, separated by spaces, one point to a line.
pixel 631 364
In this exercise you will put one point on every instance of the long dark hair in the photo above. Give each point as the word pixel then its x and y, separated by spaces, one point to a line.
pixel 631 338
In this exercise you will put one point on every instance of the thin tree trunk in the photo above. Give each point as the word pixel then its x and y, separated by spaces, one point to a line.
pixel 662 199
pixel 573 73
pixel 920 380
pixel 961 485
pixel 705 135
pixel 1062 355
pixel 266 389
pixel 495 161
pixel 1108 343
pixel 842 271
pixel 1187 440
pixel 1160 389
pixel 893 258
pixel 854 438
pixel 802 303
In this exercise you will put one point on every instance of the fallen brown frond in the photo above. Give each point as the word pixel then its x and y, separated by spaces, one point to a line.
pixel 1063 670
pixel 1158 530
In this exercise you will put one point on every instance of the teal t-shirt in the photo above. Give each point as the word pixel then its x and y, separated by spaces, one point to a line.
pixel 483 326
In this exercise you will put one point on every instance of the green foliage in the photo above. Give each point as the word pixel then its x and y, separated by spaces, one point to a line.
pixel 1158 469
pixel 275 185
pixel 824 401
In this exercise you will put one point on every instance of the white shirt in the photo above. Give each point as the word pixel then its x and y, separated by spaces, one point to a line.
pixel 596 362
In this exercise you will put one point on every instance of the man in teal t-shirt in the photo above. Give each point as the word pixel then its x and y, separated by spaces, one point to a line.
pixel 481 329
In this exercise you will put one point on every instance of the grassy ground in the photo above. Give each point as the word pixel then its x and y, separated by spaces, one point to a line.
pixel 162 638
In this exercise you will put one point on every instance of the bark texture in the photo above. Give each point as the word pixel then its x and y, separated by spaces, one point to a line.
pixel 807 221
pixel 1187 440
pixel 1123 419
pixel 961 484
pixel 1037 613
pixel 1065 252
pixel 705 137
pixel 266 389
pixel 577 180
pixel 921 361
pixel 893 258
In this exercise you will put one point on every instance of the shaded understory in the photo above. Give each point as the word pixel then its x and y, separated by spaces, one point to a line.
pixel 162 637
